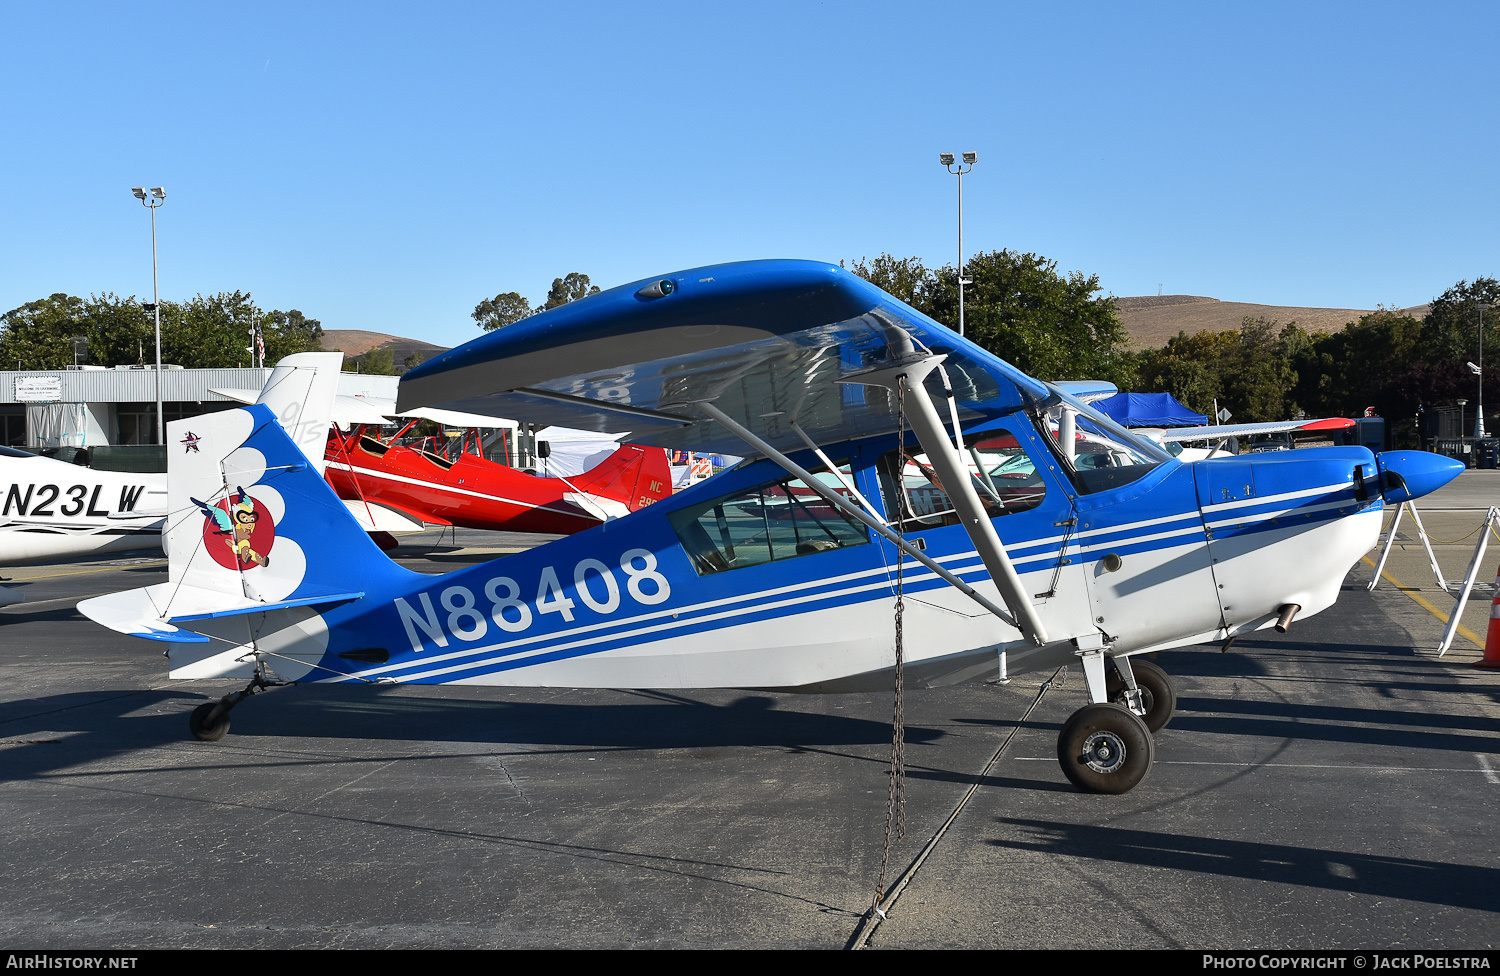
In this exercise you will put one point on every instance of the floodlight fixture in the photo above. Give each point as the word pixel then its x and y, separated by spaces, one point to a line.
pixel 968 163
pixel 1479 430
pixel 159 196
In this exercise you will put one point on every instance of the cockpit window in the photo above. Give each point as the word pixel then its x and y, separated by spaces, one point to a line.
pixel 771 522
pixel 1004 477
pixel 1100 454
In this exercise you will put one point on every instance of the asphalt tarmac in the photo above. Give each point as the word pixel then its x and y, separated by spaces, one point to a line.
pixel 1331 788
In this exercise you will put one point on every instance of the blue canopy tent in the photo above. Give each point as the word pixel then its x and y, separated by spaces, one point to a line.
pixel 1148 410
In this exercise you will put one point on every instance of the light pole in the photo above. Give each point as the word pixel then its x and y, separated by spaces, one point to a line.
pixel 1479 411
pixel 158 197
pixel 968 160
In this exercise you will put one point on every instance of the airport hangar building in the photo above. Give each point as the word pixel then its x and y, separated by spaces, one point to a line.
pixel 96 406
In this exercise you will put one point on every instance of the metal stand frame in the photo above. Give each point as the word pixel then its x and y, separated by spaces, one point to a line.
pixel 1426 544
pixel 1491 519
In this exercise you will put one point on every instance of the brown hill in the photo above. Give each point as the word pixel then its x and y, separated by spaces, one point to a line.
pixel 357 342
pixel 1153 319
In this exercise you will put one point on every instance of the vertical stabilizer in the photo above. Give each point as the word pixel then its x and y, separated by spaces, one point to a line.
pixel 301 392
pixel 634 475
pixel 250 516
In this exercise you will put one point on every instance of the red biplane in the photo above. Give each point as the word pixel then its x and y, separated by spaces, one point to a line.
pixel 378 477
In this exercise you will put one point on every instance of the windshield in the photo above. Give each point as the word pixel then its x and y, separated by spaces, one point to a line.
pixel 1100 454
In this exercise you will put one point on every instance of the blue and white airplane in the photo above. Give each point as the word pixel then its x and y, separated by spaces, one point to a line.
pixel 887 459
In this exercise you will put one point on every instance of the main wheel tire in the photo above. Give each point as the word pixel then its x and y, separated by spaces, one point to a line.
pixel 1105 748
pixel 1157 693
pixel 198 723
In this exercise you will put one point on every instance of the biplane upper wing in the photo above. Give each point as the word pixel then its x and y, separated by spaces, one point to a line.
pixel 764 341
pixel 1187 434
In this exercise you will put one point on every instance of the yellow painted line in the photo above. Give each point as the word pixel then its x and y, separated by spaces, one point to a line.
pixel 86 572
pixel 1425 605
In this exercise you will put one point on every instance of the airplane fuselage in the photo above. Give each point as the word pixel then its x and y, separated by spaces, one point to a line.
pixel 742 582
pixel 50 509
pixel 478 493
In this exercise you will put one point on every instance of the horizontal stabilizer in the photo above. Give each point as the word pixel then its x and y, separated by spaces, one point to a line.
pixel 143 612
pixel 323 600
pixel 380 517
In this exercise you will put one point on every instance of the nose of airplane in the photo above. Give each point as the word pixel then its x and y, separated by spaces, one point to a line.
pixel 1412 474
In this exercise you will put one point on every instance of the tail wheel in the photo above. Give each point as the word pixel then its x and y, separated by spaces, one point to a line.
pixel 198 722
pixel 1104 748
pixel 1157 693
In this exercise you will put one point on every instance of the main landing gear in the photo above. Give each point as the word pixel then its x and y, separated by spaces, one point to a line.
pixel 1103 748
pixel 1158 697
pixel 1107 745
pixel 210 720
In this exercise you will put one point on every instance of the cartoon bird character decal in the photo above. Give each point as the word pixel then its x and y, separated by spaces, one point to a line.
pixel 235 526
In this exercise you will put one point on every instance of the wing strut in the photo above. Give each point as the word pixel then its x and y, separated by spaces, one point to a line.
pixel 854 511
pixel 958 483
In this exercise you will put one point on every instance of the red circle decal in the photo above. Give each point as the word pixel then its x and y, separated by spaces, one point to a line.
pixel 238 531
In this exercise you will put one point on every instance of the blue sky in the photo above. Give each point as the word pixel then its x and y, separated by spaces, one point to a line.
pixel 386 167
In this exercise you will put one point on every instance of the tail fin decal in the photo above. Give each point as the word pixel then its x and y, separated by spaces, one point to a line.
pixel 250 518
pixel 634 475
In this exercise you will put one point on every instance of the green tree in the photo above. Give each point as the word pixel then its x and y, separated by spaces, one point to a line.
pixel 508 308
pixel 381 361
pixel 504 309
pixel 569 289
pixel 1450 330
pixel 290 332
pixel 1020 308
pixel 1249 370
pixel 207 331
pixel 904 278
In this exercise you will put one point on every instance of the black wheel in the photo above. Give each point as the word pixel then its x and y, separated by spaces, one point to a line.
pixel 1157 693
pixel 198 722
pixel 1105 749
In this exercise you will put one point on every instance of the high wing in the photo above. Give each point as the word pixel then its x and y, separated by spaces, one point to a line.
pixel 1088 391
pixel 1188 434
pixel 765 341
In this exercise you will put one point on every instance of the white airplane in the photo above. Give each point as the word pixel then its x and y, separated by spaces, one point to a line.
pixel 1224 437
pixel 1006 553
pixel 53 509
